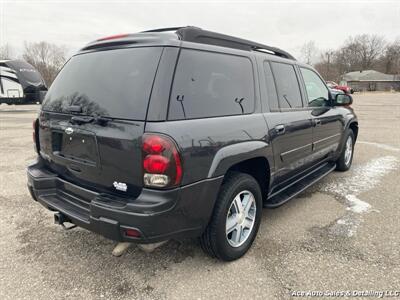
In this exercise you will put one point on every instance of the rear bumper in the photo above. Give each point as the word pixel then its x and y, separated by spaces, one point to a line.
pixel 158 215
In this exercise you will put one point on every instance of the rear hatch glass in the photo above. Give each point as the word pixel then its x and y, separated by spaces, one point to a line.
pixel 113 83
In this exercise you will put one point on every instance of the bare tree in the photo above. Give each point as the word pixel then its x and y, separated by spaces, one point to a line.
pixel 360 52
pixel 5 51
pixel 327 67
pixel 370 47
pixel 308 52
pixel 390 60
pixel 47 58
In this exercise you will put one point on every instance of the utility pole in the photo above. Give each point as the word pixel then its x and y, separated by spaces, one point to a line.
pixel 328 54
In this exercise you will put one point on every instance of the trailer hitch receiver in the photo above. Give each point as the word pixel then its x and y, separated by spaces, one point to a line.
pixel 60 219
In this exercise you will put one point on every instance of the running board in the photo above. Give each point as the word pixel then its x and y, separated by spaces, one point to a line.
pixel 284 195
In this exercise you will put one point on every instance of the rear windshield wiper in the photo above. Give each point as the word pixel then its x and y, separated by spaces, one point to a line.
pixel 81 119
pixel 74 109
pixel 101 120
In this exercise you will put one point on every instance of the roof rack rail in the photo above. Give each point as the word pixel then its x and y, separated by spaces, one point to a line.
pixel 198 35
pixel 195 35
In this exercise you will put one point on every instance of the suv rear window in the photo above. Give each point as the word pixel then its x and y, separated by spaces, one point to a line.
pixel 209 84
pixel 114 83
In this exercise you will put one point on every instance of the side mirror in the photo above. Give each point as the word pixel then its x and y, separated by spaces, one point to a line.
pixel 342 100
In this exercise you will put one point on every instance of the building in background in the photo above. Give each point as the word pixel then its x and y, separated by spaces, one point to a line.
pixel 371 80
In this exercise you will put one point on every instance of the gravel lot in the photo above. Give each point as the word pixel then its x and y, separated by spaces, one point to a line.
pixel 342 234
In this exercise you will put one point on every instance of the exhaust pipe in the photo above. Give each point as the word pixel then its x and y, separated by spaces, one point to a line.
pixel 122 247
pixel 148 248
pixel 60 219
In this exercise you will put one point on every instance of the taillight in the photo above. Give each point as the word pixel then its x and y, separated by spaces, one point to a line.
pixel 162 166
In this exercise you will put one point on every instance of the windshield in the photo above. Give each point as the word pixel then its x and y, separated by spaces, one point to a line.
pixel 113 83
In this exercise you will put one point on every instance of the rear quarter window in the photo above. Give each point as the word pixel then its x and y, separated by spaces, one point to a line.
pixel 270 86
pixel 209 84
pixel 287 85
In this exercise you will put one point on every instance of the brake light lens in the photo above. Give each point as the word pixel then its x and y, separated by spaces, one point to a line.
pixel 162 167
pixel 113 37
pixel 155 163
pixel 154 144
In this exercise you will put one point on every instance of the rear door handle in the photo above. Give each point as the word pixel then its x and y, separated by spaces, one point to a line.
pixel 317 122
pixel 280 129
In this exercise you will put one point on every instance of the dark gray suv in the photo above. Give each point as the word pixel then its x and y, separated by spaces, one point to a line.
pixel 181 132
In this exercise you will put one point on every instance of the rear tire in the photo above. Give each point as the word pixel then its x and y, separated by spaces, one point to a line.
pixel 346 156
pixel 236 218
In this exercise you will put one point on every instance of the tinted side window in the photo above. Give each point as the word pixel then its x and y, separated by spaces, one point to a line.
pixel 270 85
pixel 317 93
pixel 287 85
pixel 210 84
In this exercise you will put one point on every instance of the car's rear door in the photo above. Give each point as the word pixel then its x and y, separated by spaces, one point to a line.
pixel 290 127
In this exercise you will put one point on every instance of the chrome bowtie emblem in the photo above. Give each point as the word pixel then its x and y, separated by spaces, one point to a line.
pixel 69 130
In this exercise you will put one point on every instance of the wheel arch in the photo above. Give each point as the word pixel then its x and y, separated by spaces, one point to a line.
pixel 257 167
pixel 254 158
pixel 354 127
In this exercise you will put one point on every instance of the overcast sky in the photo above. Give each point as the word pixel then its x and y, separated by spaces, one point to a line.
pixel 285 24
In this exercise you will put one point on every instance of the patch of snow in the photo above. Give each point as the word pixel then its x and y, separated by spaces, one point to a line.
pixel 356 205
pixel 365 177
pixel 345 226
pixel 351 231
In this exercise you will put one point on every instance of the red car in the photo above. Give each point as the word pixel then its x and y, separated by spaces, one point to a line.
pixel 344 88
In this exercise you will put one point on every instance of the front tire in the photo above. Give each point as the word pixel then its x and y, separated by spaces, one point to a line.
pixel 346 156
pixel 236 218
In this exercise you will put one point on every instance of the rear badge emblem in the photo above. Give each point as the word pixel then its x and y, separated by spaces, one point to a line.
pixel 69 130
pixel 120 186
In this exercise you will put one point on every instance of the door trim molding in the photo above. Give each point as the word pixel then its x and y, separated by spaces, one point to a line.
pixel 324 139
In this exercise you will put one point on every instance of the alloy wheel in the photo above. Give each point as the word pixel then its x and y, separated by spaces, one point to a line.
pixel 240 218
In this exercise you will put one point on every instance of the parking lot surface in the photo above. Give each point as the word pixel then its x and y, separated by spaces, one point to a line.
pixel 340 235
